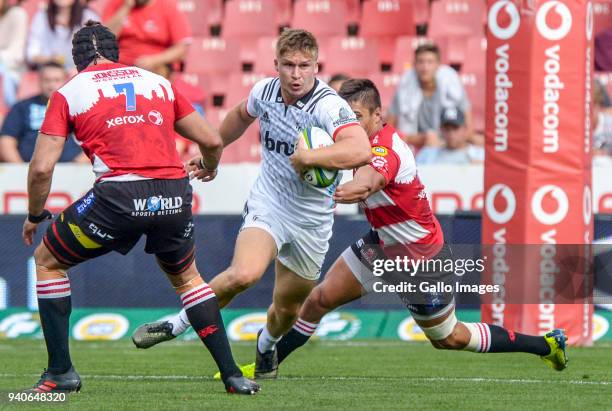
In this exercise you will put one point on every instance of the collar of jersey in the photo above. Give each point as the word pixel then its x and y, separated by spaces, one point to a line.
pixel 301 103
pixel 105 66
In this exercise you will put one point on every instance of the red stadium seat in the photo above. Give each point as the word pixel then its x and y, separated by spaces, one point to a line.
pixel 324 18
pixel 284 12
pixel 239 86
pixel 250 18
pixel 266 53
pixel 404 52
pixel 356 56
pixel 453 48
pixel 477 55
pixel 382 18
pixel 386 83
pixel 246 148
pixel 420 11
pixel 602 15
pixel 353 11
pixel 28 86
pixel 475 87
pixel 213 55
pixel 456 17
pixel 201 14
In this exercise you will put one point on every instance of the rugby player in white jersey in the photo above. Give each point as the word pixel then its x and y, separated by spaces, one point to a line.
pixel 286 220
pixel 402 225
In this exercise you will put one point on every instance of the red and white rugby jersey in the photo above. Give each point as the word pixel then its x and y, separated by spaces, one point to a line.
pixel 400 212
pixel 123 118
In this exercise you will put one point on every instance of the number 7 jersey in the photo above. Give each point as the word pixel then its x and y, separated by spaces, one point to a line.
pixel 123 117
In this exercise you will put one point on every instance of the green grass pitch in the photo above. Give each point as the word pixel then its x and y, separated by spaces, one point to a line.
pixel 335 376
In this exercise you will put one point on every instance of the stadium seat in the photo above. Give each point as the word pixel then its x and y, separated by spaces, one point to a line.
pixel 97 5
pixel 324 18
pixel 602 15
pixel 28 86
pixel 476 50
pixel 475 87
pixel 420 11
pixel 192 86
pixel 404 52
pixel 353 55
pixel 213 55
pixel 456 17
pixel 453 48
pixel 202 14
pixel 246 148
pixel 249 18
pixel 239 86
pixel 383 18
pixel 266 53
pixel 284 12
pixel 386 83
pixel 353 11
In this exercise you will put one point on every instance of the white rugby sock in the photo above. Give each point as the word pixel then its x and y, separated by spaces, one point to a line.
pixel 266 342
pixel 179 322
pixel 480 338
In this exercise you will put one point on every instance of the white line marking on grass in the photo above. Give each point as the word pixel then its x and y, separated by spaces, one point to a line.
pixel 333 378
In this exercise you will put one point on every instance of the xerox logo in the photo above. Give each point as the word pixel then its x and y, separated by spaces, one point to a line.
pixel 119 121
pixel 559 196
pixel 554 34
pixel 156 117
pixel 500 217
pixel 504 33
pixel 157 205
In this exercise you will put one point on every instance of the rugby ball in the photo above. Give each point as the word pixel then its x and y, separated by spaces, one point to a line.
pixel 315 137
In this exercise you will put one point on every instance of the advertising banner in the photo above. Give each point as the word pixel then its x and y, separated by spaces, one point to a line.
pixel 537 184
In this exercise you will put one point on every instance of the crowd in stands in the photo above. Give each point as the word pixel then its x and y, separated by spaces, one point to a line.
pixel 426 56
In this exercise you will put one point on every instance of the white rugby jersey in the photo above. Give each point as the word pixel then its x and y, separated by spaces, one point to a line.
pixel 278 184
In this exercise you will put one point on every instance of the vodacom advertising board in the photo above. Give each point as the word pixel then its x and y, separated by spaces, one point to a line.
pixel 538 219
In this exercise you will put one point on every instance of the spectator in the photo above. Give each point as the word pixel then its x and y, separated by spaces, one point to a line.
pixel 457 149
pixel 602 127
pixel 423 92
pixel 336 81
pixel 52 30
pixel 20 128
pixel 13 34
pixel 151 33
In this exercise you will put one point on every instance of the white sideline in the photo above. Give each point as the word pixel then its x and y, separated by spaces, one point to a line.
pixel 332 378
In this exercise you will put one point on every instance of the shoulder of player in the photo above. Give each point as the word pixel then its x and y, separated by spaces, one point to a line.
pixel 265 89
pixel 324 98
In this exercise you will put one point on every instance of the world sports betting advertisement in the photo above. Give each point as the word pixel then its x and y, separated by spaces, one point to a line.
pixel 538 202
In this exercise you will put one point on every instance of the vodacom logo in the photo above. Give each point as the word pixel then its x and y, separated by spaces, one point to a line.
pixel 559 196
pixel 558 33
pixel 500 217
pixel 504 33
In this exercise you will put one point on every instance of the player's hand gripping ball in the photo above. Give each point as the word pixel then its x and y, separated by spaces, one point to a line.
pixel 313 138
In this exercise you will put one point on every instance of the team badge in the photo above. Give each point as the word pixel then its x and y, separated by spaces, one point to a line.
pixel 380 151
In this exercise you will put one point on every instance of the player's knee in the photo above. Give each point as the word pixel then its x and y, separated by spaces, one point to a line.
pixel 240 278
pixel 452 342
pixel 42 257
pixel 288 312
pixel 320 301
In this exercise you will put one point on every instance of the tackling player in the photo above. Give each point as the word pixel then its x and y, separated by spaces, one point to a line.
pixel 402 221
pixel 124 119
pixel 285 220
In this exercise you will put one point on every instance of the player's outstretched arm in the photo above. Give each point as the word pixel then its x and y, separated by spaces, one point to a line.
pixel 365 182
pixel 235 123
pixel 46 154
pixel 351 150
pixel 195 128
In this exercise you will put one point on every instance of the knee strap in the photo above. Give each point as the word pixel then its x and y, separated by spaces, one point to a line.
pixel 442 330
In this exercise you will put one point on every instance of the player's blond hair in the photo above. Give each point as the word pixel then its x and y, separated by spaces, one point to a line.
pixel 292 40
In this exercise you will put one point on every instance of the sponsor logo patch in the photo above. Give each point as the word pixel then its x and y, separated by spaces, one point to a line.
pixel 380 151
pixel 157 205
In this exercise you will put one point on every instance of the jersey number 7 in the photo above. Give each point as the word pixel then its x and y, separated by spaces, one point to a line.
pixel 130 95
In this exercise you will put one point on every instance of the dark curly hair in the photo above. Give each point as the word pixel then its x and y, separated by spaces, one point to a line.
pixel 92 42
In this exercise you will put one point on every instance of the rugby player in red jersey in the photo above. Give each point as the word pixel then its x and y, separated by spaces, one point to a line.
pixel 124 119
pixel 402 224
